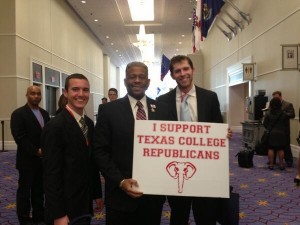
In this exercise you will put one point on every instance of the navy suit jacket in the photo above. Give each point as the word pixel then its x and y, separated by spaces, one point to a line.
pixel 208 106
pixel 26 131
pixel 113 147
pixel 71 180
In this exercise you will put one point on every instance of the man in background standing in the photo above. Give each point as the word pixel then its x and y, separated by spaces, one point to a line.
pixel 26 125
pixel 112 94
pixel 289 110
pixel 70 175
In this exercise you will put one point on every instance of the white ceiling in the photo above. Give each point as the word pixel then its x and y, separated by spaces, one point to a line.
pixel 114 20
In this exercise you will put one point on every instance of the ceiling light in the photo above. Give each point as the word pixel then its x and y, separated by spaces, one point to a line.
pixel 83 2
pixel 107 36
pixel 95 20
pixel 180 42
pixel 111 43
pixel 117 50
pixel 182 35
pixel 141 10
pixel 189 18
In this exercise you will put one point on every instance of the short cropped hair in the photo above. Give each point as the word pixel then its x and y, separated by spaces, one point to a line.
pixel 136 64
pixel 178 59
pixel 74 76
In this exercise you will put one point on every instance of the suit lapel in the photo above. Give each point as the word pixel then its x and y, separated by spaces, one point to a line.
pixel 172 100
pixel 126 111
pixel 151 109
pixel 32 116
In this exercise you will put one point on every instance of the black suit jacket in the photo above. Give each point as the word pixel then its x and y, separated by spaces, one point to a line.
pixel 208 106
pixel 26 131
pixel 71 180
pixel 113 147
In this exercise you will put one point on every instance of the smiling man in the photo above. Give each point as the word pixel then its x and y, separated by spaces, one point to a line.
pixel 191 103
pixel 71 178
pixel 113 146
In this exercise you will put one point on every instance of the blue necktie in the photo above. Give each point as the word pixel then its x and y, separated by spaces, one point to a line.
pixel 185 114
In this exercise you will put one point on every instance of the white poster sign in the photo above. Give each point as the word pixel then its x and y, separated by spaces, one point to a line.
pixel 181 158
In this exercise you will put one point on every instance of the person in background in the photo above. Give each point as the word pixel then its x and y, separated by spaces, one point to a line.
pixel 112 94
pixel 203 106
pixel 289 110
pixel 297 178
pixel 26 125
pixel 277 122
pixel 113 150
pixel 62 102
pixel 71 178
pixel 103 100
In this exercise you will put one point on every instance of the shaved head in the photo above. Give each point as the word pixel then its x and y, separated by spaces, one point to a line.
pixel 34 96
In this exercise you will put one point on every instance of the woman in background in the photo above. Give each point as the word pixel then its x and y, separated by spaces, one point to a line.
pixel 277 123
pixel 62 102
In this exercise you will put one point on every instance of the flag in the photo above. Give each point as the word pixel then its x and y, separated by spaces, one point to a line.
pixel 165 63
pixel 209 10
pixel 196 33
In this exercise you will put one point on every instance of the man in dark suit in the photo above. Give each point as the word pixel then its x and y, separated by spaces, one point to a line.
pixel 70 176
pixel 289 110
pixel 113 147
pixel 203 107
pixel 26 127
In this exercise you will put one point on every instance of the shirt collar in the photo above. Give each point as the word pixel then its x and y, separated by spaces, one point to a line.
pixel 133 101
pixel 192 92
pixel 75 114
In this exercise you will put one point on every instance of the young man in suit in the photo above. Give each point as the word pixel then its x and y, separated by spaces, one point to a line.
pixel 203 107
pixel 113 150
pixel 27 123
pixel 289 110
pixel 70 175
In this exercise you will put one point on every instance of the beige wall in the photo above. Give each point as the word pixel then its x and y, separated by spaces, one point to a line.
pixel 48 32
pixel 274 22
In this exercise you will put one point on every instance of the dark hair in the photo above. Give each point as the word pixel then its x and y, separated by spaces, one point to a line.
pixel 104 98
pixel 74 76
pixel 275 103
pixel 178 59
pixel 62 101
pixel 136 64
pixel 113 89
pixel 276 93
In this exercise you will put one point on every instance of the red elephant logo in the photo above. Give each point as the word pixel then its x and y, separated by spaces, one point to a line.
pixel 181 171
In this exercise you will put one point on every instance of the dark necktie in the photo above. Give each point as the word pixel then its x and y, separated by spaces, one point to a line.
pixel 140 114
pixel 84 127
pixel 185 114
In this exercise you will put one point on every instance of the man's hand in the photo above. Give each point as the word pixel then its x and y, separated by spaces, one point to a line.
pixel 39 152
pixel 129 186
pixel 62 221
pixel 229 133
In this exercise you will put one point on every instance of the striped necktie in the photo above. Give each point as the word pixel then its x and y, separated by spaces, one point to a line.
pixel 185 114
pixel 84 127
pixel 140 114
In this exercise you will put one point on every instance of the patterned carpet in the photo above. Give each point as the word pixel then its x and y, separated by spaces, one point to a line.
pixel 266 197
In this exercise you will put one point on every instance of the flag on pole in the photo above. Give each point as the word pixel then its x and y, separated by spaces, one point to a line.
pixel 196 36
pixel 165 63
pixel 209 10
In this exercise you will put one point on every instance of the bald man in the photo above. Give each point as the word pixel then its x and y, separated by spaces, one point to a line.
pixel 26 125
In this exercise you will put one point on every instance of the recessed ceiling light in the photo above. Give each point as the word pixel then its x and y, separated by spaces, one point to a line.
pixel 107 36
pixel 180 42
pixel 189 18
pixel 177 49
pixel 111 43
pixel 120 55
pixel 182 35
pixel 117 50
pixel 83 2
pixel 95 20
